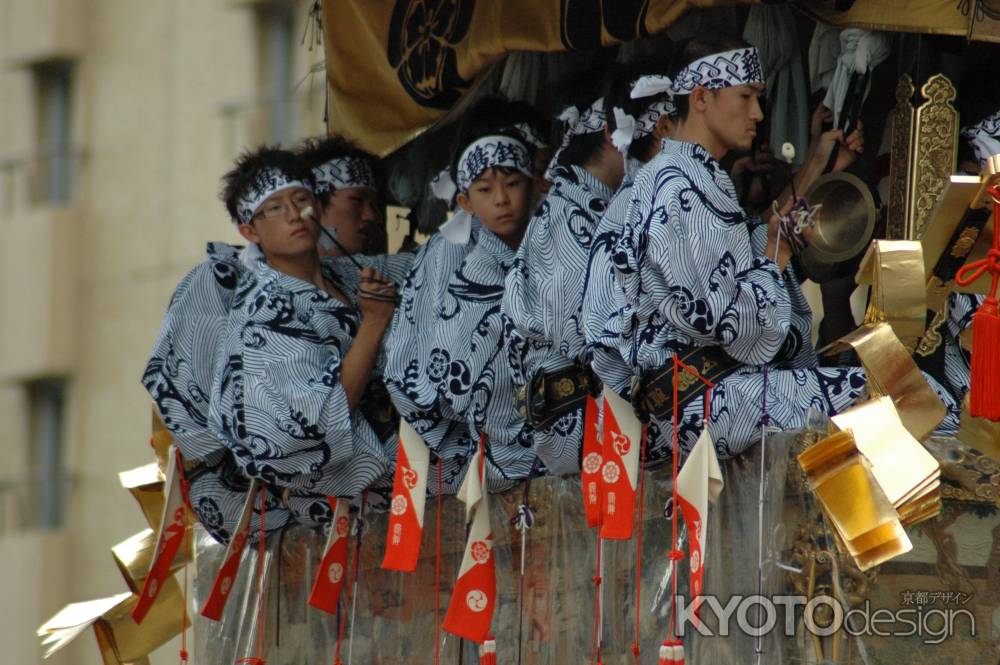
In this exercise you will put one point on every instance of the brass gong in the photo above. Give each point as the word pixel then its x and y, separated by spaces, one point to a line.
pixel 844 224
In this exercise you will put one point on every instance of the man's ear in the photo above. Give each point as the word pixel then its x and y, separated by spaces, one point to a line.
pixel 664 127
pixel 249 233
pixel 698 99
pixel 463 201
pixel 607 139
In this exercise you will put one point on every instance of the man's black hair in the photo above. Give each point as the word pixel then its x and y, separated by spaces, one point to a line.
pixel 251 164
pixel 491 116
pixel 692 50
pixel 615 90
pixel 321 149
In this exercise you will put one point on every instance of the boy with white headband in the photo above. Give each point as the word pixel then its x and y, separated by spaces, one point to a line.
pixel 301 345
pixel 446 371
pixel 541 301
pixel 703 280
pixel 348 194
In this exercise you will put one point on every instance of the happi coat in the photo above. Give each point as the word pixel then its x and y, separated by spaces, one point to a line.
pixel 543 295
pixel 446 370
pixel 693 272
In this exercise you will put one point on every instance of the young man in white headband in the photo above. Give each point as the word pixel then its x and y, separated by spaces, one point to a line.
pixel 703 280
pixel 301 345
pixel 446 371
pixel 544 342
pixel 348 194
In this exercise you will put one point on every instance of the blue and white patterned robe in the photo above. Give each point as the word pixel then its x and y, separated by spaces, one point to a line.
pixel 693 274
pixel 179 376
pixel 599 288
pixel 277 397
pixel 543 298
pixel 446 371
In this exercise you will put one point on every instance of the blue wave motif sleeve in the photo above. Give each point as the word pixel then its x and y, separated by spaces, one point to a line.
pixel 689 270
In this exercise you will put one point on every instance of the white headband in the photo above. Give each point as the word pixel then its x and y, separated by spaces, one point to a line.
pixel 266 183
pixel 720 70
pixel 482 154
pixel 983 136
pixel 488 152
pixel 593 119
pixel 629 128
pixel 343 173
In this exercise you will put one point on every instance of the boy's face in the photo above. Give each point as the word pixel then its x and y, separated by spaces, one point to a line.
pixel 732 115
pixel 278 226
pixel 352 213
pixel 502 202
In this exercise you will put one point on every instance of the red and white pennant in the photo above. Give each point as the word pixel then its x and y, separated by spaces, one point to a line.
pixel 226 576
pixel 332 571
pixel 409 491
pixel 621 444
pixel 473 599
pixel 698 483
pixel 590 469
pixel 173 527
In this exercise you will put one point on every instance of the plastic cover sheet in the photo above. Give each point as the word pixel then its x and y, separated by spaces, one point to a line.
pixel 550 611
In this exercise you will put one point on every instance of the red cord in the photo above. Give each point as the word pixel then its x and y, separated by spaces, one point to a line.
pixel 971 272
pixel 676 554
pixel 437 574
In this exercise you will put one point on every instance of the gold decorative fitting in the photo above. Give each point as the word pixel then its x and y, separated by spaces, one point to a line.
pixel 935 146
pixel 564 388
pixel 899 160
pixel 685 380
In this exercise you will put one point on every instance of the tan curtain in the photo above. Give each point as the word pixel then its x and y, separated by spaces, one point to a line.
pixel 395 66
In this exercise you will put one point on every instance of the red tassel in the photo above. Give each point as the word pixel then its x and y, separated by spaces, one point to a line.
pixel 672 653
pixel 488 652
pixel 984 393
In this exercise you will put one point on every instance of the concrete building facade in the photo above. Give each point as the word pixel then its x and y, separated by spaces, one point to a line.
pixel 118 118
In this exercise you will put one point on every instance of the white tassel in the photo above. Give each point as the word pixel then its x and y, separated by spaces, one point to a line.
pixel 443 187
pixel 458 229
pixel 251 255
pixel 652 84
pixel 624 129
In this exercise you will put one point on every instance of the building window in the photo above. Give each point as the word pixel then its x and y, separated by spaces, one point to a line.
pixel 276 65
pixel 55 158
pixel 47 484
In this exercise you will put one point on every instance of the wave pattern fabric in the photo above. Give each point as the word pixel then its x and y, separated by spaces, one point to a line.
pixel 543 298
pixel 277 398
pixel 446 370
pixel 692 273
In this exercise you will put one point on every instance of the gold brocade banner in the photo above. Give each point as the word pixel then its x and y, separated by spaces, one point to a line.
pixel 395 66
pixel 941 17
